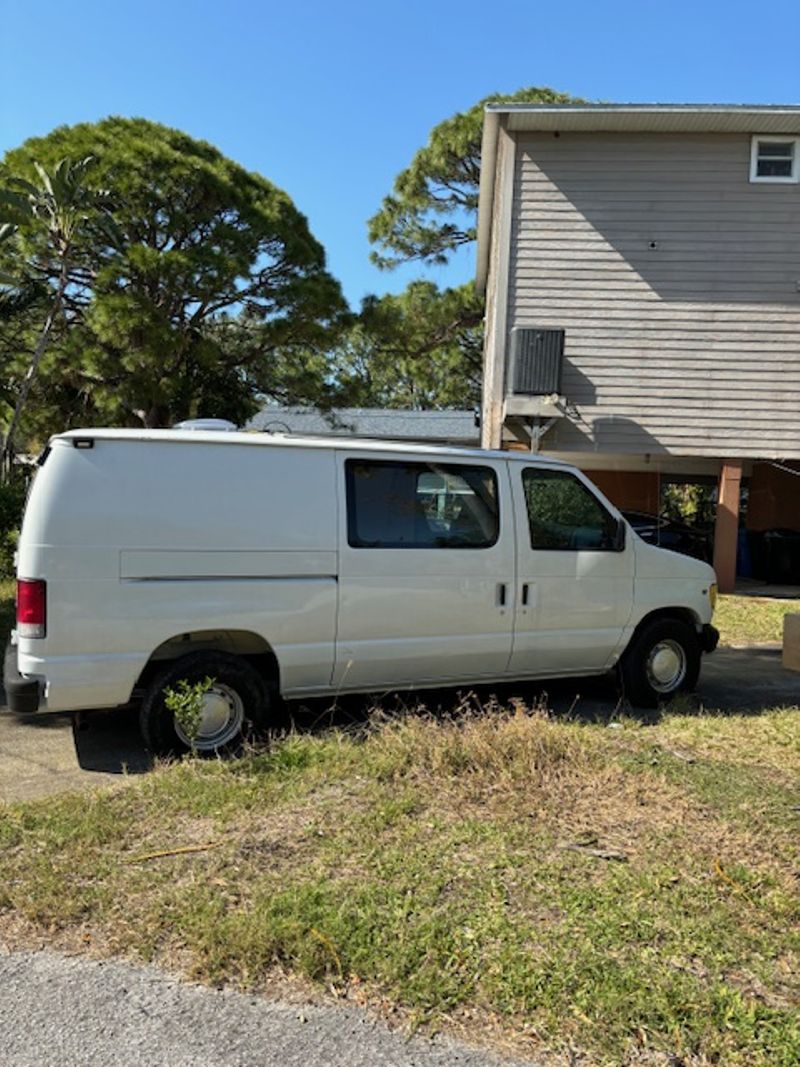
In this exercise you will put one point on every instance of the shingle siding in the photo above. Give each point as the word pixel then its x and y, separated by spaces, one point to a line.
pixel 690 347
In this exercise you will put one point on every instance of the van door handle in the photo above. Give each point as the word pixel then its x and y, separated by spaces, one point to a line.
pixel 501 594
pixel 524 594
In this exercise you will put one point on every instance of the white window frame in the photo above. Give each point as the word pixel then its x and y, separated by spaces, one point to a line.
pixel 779 179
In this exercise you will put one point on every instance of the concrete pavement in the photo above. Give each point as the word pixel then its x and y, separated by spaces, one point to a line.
pixel 58 1011
pixel 41 755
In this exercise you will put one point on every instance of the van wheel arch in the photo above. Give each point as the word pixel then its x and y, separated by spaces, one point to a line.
pixel 246 644
pixel 682 614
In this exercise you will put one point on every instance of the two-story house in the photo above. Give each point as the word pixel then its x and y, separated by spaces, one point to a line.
pixel 641 265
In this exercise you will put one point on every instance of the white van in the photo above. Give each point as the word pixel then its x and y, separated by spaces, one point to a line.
pixel 288 567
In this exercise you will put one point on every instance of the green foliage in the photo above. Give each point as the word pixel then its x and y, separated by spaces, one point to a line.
pixel 687 502
pixel 431 210
pixel 186 704
pixel 419 349
pixel 8 611
pixel 59 200
pixel 55 207
pixel 209 276
pixel 12 504
pixel 17 297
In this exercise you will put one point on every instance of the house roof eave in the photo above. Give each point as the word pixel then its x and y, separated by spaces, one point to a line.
pixel 491 128
pixel 650 118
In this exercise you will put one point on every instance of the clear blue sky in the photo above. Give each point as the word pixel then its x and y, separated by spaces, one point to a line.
pixel 331 99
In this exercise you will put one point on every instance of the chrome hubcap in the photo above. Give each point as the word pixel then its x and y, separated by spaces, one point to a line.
pixel 666 666
pixel 221 720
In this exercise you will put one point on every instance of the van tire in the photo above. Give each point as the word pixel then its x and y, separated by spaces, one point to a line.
pixel 662 659
pixel 238 705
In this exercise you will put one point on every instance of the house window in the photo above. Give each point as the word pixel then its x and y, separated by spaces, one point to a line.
pixel 775 159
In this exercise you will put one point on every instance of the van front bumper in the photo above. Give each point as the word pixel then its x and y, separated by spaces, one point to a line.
pixel 709 638
pixel 22 694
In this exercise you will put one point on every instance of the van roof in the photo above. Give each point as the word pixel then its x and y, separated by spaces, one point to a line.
pixel 273 440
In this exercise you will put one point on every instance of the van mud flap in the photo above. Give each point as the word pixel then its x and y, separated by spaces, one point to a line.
pixel 22 694
pixel 709 638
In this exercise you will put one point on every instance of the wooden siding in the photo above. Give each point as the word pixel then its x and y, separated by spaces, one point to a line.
pixel 497 295
pixel 691 347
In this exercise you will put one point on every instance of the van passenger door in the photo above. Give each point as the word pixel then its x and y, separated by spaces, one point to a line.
pixel 575 581
pixel 426 571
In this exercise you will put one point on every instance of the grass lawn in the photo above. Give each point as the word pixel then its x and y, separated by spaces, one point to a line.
pixel 744 620
pixel 534 884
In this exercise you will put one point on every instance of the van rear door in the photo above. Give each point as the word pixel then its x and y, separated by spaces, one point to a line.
pixel 575 582
pixel 426 570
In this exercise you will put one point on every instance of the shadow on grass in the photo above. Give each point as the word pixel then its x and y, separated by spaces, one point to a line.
pixel 733 681
pixel 593 700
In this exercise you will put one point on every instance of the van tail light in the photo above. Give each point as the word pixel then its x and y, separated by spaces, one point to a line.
pixel 31 607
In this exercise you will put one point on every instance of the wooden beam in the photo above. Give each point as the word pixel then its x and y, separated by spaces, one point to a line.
pixel 726 528
pixel 496 334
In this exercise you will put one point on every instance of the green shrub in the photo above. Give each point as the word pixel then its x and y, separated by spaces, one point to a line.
pixel 12 504
pixel 186 704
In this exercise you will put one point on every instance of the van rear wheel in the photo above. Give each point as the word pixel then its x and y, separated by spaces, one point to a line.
pixel 663 659
pixel 234 706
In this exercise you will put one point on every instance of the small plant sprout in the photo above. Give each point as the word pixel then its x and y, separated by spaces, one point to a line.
pixel 185 702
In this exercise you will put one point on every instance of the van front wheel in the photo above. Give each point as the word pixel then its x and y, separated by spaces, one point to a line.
pixel 233 706
pixel 662 660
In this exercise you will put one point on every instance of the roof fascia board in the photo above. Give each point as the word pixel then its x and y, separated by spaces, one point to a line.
pixel 653 118
pixel 491 129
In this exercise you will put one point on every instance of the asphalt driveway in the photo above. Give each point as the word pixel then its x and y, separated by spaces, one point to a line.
pixel 58 1011
pixel 48 754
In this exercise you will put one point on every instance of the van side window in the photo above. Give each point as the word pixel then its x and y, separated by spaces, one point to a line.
pixel 420 505
pixel 563 515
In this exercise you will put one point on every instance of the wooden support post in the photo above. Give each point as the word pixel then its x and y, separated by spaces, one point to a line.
pixel 496 335
pixel 791 642
pixel 726 528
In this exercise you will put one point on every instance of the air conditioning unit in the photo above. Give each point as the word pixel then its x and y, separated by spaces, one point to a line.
pixel 537 357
